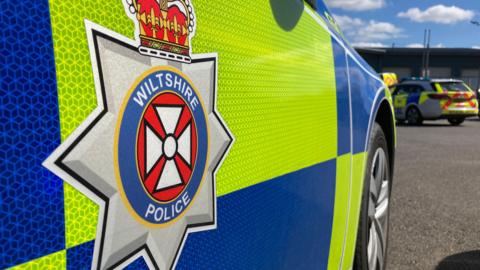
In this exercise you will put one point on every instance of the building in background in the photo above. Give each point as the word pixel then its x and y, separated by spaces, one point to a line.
pixel 444 62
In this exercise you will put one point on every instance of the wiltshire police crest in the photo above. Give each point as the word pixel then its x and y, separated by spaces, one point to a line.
pixel 149 152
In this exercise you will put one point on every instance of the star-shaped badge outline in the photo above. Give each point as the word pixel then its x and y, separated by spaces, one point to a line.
pixel 85 158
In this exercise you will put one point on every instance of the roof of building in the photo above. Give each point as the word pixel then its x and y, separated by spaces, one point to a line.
pixel 440 80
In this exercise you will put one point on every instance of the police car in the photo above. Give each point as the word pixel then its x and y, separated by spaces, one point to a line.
pixel 188 134
pixel 389 78
pixel 416 100
pixel 478 99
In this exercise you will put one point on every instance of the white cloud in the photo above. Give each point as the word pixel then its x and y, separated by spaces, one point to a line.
pixel 438 14
pixel 379 31
pixel 476 47
pixel 369 44
pixel 347 23
pixel 419 45
pixel 356 5
pixel 415 45
pixel 360 31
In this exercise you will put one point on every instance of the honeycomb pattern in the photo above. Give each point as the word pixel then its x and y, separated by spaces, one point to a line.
pixel 50 262
pixel 76 91
pixel 138 264
pixel 80 217
pixel 31 198
pixel 80 257
pixel 290 228
pixel 276 90
pixel 253 97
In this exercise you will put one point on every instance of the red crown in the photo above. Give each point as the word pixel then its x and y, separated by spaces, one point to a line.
pixel 165 27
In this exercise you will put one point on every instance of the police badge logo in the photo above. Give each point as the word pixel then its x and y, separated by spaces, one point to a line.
pixel 148 154
pixel 162 145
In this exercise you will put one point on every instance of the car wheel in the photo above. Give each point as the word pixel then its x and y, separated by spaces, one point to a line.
pixel 414 117
pixel 456 121
pixel 372 235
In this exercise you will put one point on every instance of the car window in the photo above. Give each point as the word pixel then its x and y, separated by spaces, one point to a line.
pixel 408 89
pixel 454 87
pixel 401 89
pixel 417 89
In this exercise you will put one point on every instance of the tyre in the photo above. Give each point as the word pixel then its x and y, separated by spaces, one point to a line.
pixel 372 235
pixel 413 116
pixel 456 121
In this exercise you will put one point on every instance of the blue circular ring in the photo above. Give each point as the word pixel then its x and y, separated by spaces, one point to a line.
pixel 132 184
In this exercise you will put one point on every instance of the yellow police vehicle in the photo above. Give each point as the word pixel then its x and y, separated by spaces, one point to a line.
pixel 190 134
pixel 390 79
pixel 416 100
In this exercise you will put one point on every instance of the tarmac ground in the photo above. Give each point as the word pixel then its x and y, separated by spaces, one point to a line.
pixel 435 214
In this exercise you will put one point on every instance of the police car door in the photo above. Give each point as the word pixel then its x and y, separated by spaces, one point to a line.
pixel 282 191
pixel 243 76
pixel 400 96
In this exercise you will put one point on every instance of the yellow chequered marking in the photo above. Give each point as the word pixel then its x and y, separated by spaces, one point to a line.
pixel 80 217
pixel 57 260
pixel 276 90
pixel 76 90
pixel 339 225
pixel 423 97
pixel 356 190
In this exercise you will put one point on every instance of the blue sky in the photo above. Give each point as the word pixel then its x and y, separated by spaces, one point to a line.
pixel 384 22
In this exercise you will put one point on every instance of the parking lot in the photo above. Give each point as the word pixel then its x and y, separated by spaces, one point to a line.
pixel 435 216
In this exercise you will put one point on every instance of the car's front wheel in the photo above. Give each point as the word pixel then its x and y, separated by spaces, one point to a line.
pixel 372 236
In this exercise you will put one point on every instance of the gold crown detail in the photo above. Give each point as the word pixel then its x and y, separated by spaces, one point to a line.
pixel 165 27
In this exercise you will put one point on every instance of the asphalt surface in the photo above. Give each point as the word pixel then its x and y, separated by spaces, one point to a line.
pixel 435 214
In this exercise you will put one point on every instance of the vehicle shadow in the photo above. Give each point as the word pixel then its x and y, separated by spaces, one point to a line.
pixel 476 119
pixel 469 260
pixel 287 13
pixel 427 125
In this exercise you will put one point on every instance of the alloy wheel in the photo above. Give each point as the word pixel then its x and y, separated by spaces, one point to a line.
pixel 378 205
pixel 413 116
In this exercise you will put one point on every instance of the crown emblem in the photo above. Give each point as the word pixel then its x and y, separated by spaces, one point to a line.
pixel 165 27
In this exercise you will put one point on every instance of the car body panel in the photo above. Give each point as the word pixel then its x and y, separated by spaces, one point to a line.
pixel 291 184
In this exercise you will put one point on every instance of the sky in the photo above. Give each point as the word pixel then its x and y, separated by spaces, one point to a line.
pixel 384 23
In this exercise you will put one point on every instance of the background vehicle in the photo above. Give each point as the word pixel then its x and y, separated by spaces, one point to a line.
pixel 423 99
pixel 478 99
pixel 305 185
pixel 390 79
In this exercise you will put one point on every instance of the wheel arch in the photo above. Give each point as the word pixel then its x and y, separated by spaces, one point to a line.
pixel 386 119
pixel 414 105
